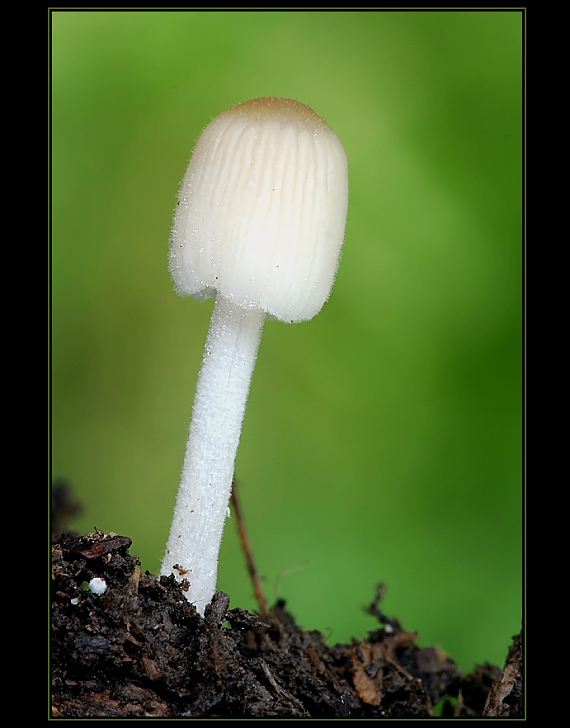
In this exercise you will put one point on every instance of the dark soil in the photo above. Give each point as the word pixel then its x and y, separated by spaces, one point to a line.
pixel 140 650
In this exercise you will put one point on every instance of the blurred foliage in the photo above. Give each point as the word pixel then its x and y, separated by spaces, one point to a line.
pixel 382 440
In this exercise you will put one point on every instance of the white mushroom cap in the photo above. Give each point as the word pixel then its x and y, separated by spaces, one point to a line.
pixel 262 209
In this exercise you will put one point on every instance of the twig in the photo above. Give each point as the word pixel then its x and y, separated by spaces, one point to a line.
pixel 278 689
pixel 247 552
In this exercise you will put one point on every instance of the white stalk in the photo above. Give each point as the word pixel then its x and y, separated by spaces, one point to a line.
pixel 205 486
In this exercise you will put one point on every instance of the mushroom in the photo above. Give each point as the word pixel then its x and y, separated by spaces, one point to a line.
pixel 259 226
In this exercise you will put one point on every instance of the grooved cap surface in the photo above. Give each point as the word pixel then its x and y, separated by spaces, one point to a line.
pixel 262 209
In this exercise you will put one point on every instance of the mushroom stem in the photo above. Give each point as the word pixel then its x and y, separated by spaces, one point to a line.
pixel 205 485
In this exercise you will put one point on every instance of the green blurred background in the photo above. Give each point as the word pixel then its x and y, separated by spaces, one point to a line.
pixel 382 440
